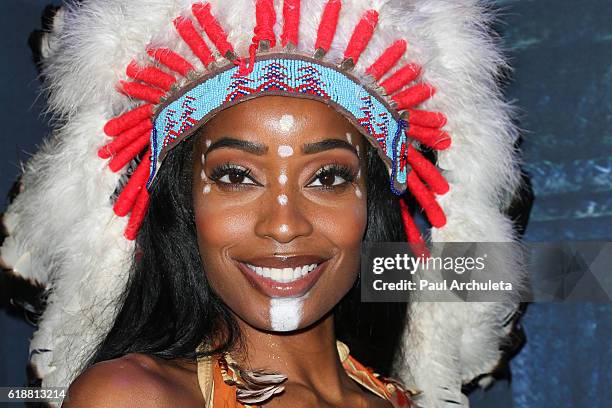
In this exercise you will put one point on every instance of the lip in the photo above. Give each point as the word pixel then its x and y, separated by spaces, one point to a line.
pixel 274 289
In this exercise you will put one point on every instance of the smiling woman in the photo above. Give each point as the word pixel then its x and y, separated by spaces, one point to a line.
pixel 260 239
pixel 232 161
pixel 271 278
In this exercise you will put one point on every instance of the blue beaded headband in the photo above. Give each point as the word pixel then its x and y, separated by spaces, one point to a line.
pixel 282 75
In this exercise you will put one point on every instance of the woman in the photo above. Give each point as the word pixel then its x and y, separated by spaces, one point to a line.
pixel 312 121
pixel 278 238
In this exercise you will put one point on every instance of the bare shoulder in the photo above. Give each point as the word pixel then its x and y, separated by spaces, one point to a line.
pixel 135 380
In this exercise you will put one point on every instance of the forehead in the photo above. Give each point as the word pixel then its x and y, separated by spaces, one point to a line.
pixel 279 120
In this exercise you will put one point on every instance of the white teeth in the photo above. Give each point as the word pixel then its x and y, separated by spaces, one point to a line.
pixel 284 275
pixel 287 275
pixel 276 274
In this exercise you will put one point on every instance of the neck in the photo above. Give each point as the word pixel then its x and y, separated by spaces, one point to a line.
pixel 308 357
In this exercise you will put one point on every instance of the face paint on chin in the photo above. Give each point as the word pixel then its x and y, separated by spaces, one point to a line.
pixel 286 313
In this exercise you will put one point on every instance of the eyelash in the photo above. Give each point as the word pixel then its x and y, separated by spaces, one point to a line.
pixel 226 169
pixel 335 169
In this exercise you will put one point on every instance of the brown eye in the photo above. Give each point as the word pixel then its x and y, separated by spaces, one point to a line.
pixel 327 180
pixel 231 174
pixel 235 177
pixel 332 176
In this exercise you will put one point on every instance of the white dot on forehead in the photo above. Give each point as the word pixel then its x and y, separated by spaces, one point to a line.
pixel 286 123
pixel 282 179
pixel 206 189
pixel 282 199
pixel 283 228
pixel 285 151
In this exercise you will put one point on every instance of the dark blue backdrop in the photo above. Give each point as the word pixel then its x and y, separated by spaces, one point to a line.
pixel 562 55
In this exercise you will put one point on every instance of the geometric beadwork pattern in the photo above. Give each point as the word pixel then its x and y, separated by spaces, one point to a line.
pixel 274 76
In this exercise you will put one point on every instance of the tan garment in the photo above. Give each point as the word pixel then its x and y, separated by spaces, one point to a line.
pixel 219 394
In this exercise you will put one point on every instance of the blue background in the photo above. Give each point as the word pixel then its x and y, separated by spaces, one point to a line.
pixel 561 51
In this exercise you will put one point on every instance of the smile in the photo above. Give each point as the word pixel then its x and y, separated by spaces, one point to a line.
pixel 283 276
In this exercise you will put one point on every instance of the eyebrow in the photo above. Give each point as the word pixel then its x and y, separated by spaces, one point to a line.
pixel 328 144
pixel 261 149
pixel 231 143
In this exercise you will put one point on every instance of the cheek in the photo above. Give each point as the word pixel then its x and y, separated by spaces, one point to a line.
pixel 343 222
pixel 220 222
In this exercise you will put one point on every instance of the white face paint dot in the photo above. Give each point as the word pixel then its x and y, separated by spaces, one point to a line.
pixel 285 151
pixel 206 189
pixel 283 228
pixel 348 137
pixel 286 123
pixel 203 159
pixel 282 179
pixel 207 142
pixel 357 148
pixel 358 192
pixel 282 199
pixel 203 175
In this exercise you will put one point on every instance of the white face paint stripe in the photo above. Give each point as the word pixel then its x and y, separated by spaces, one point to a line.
pixel 358 192
pixel 282 199
pixel 348 137
pixel 285 151
pixel 203 175
pixel 286 313
pixel 286 123
pixel 203 159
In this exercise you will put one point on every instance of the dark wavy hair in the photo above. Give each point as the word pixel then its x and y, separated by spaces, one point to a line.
pixel 168 307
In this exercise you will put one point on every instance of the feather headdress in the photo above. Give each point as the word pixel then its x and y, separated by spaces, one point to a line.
pixel 119 75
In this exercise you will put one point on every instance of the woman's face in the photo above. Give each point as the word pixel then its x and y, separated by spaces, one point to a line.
pixel 280 208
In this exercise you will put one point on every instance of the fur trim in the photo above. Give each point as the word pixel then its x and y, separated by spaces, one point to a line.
pixel 64 223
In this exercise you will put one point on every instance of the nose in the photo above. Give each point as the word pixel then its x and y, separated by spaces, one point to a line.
pixel 283 218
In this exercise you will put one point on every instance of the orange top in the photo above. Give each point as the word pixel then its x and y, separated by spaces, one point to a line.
pixel 218 391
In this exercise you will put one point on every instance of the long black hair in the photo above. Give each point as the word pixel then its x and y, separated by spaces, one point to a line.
pixel 168 307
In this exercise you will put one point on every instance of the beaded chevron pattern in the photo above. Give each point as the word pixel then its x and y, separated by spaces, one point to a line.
pixel 281 76
pixel 388 116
